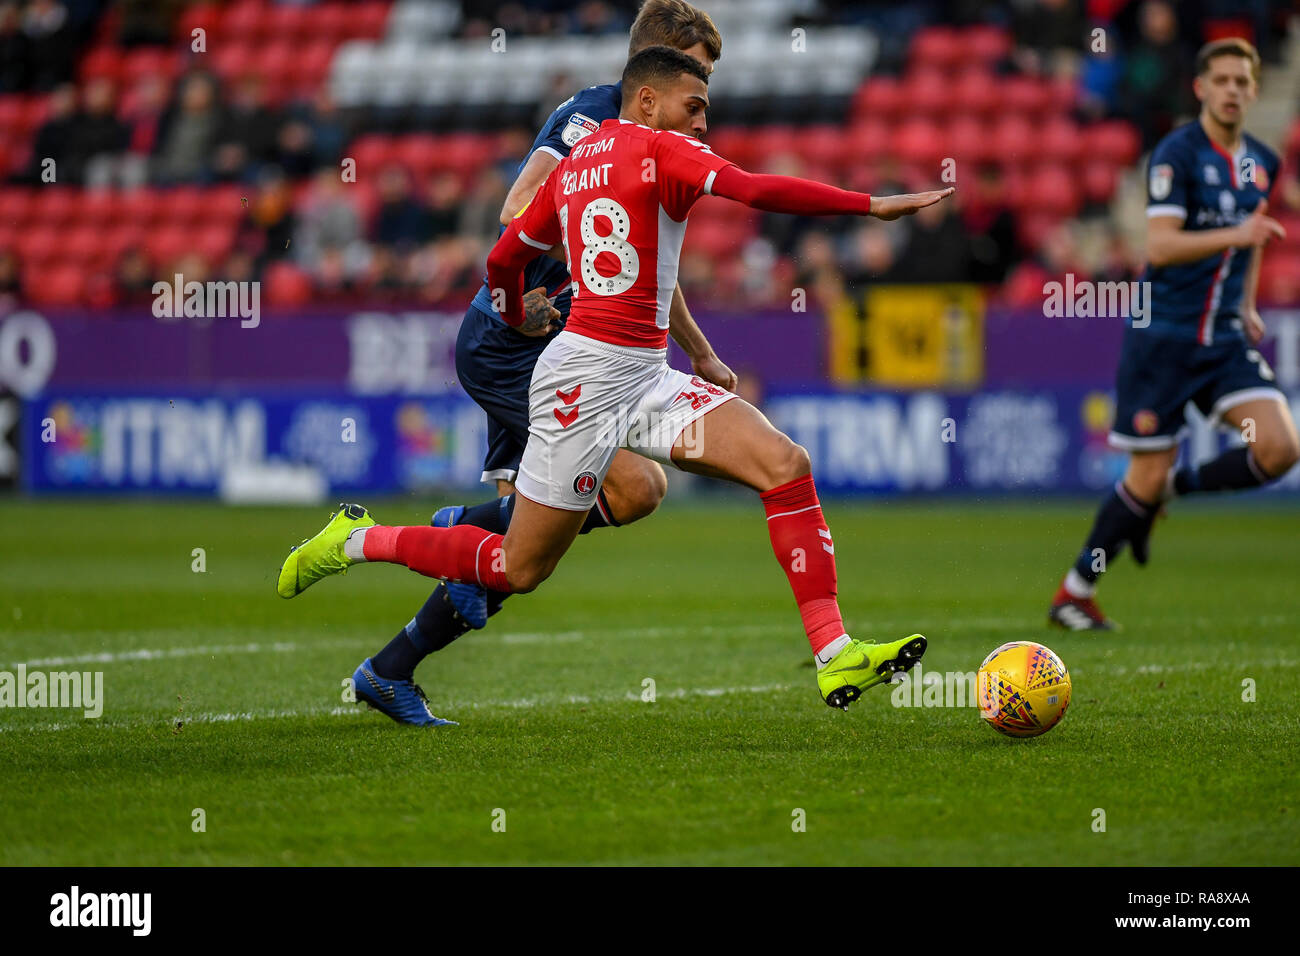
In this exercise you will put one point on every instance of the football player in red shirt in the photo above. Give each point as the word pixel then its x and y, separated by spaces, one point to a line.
pixel 618 206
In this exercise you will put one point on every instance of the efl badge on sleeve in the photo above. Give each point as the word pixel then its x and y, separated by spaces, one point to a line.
pixel 1162 181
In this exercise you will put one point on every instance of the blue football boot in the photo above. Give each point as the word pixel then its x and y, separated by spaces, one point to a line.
pixel 402 700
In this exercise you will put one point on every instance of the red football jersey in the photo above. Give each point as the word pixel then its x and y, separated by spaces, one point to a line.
pixel 618 203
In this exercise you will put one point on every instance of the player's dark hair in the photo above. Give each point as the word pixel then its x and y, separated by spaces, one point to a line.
pixel 658 66
pixel 673 23
pixel 1228 46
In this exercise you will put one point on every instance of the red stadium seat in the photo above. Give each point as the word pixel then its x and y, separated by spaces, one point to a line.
pixel 928 92
pixel 1099 181
pixel 17 205
pixel 246 19
pixel 58 286
pixel 214 242
pixel 369 19
pixel 936 47
pixel 823 144
pixel 1113 140
pixel 85 246
pixel 332 20
pixel 1053 191
pixel 1014 136
pixel 975 92
pixel 56 205
pixel 870 140
pixel 287 285
pixel 124 237
pixel 969 143
pixel 371 152
pixel 40 245
pixel 879 98
pixel 184 205
pixel 1025 95
pixel 985 44
pixel 234 59
pixel 1059 139
pixel 102 61
pixel 205 15
pixel 168 243
pixel 921 142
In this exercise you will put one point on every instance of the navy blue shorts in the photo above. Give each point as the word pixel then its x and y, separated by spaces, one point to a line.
pixel 1159 375
pixel 495 365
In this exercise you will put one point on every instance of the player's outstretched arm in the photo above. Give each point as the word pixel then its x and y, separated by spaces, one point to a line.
pixel 540 165
pixel 1169 244
pixel 807 197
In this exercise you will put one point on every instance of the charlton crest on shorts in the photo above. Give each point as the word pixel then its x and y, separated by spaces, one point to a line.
pixel 585 484
pixel 1162 181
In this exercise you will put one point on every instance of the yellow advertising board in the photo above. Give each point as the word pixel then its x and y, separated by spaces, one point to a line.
pixel 909 336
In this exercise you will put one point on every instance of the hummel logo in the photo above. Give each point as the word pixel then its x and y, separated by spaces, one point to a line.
pixel 828 548
pixel 569 398
pixel 1073 618
pixel 566 418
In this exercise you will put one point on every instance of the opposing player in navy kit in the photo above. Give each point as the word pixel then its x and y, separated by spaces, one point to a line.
pixel 495 362
pixel 1207 227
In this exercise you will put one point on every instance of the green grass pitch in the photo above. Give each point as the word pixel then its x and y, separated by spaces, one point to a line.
pixel 222 697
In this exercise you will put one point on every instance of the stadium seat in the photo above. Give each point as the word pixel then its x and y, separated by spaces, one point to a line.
pixel 1113 140
pixel 985 44
pixel 975 92
pixel 879 98
pixel 58 286
pixel 1059 139
pixel 937 47
pixel 928 92
pixel 287 285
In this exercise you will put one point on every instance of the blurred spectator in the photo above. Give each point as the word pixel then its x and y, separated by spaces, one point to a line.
pixel 143 113
pixel 189 132
pixel 13 49
pixel 480 213
pixel 936 249
pixel 990 225
pixel 329 130
pixel 54 138
pixel 1048 34
pixel 133 278
pixel 51 44
pixel 270 224
pixel 99 138
pixel 442 215
pixel 1156 84
pixel 400 223
pixel 249 134
pixel 329 224
pixel 11 281
pixel 147 22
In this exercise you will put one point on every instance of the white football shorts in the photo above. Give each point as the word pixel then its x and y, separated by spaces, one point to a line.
pixel 587 400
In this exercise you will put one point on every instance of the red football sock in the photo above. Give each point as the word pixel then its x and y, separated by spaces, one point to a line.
pixel 802 544
pixel 459 553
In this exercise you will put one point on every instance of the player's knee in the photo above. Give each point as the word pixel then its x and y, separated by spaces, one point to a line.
pixel 793 462
pixel 527 576
pixel 646 493
pixel 1276 454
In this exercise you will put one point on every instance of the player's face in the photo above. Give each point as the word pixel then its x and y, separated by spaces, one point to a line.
pixel 682 107
pixel 1227 89
pixel 701 55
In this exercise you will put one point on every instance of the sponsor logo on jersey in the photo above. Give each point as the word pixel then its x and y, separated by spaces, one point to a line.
pixel 585 484
pixel 1211 175
pixel 578 127
pixel 1162 181
pixel 1261 178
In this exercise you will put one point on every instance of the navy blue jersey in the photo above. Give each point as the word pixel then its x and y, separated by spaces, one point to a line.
pixel 573 119
pixel 1192 177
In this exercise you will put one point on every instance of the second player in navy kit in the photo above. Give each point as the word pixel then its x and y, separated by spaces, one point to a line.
pixel 1208 186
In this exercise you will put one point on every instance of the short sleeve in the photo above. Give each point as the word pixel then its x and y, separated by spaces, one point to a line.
pixel 1168 180
pixel 685 170
pixel 539 221
pixel 577 117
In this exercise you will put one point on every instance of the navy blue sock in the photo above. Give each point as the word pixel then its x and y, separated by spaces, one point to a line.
pixel 600 516
pixel 434 627
pixel 1234 470
pixel 491 516
pixel 1120 516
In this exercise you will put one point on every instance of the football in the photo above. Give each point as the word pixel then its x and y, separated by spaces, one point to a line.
pixel 1024 689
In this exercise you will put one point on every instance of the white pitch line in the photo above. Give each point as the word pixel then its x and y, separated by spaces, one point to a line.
pixel 449 708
